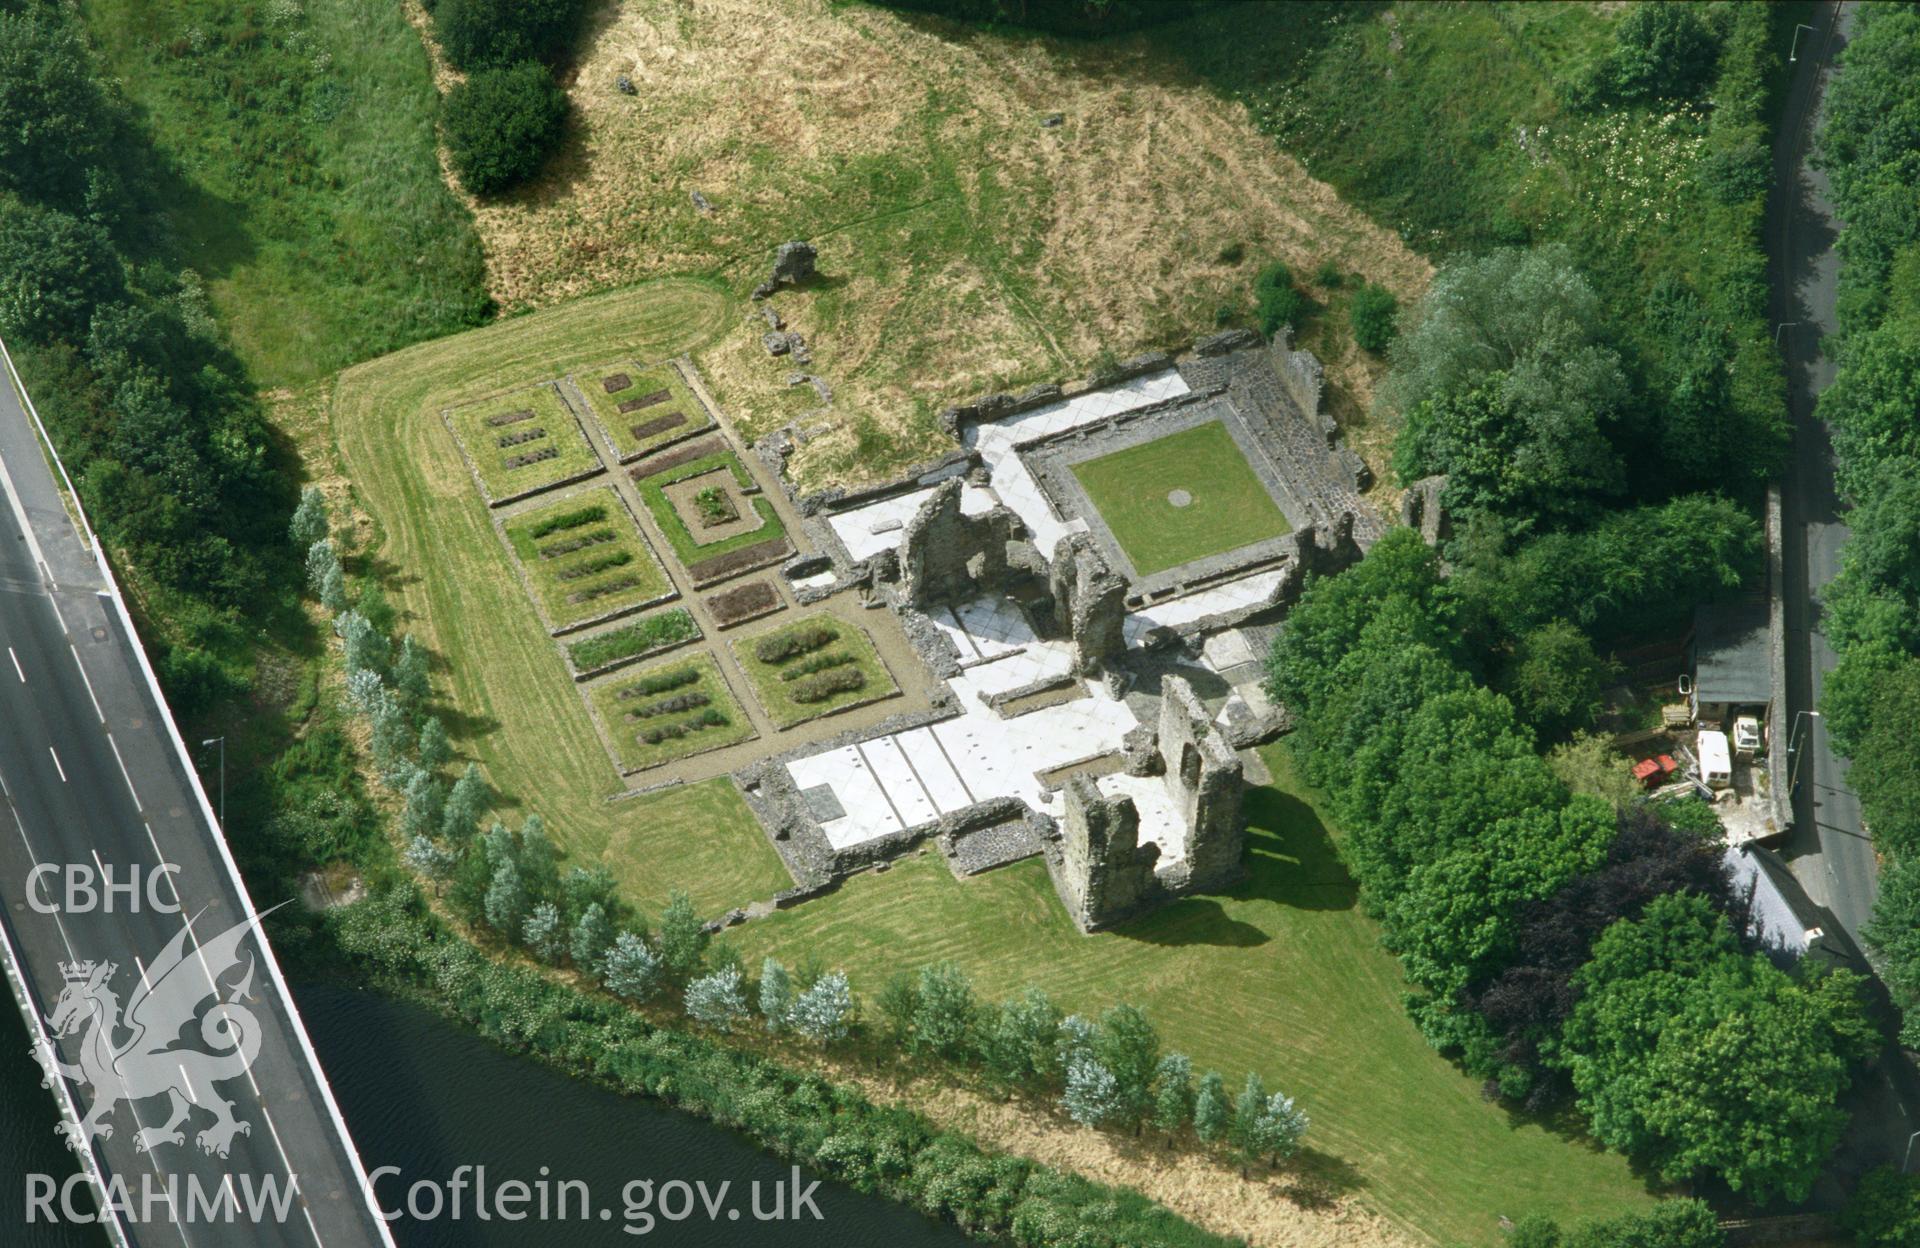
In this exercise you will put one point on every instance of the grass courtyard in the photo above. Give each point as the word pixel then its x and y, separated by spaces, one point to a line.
pixel 584 559
pixel 1180 498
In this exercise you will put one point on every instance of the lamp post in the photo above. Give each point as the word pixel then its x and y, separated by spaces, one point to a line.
pixel 1781 328
pixel 1795 53
pixel 1793 756
pixel 222 743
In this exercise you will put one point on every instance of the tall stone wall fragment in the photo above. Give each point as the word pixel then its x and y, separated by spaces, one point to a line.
pixel 1206 781
pixel 1100 869
pixel 1090 602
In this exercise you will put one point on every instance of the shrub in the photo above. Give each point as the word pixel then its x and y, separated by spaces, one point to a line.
pixel 1371 314
pixel 1232 253
pixel 500 125
pixel 1329 275
pixel 567 520
pixel 1277 301
pixel 823 685
pixel 593 567
pixel 1885 1210
pixel 779 647
pixel 636 638
pixel 489 34
pixel 667 706
pixel 708 718
pixel 818 663
pixel 660 682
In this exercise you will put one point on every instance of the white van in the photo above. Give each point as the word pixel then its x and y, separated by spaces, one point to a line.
pixel 1716 759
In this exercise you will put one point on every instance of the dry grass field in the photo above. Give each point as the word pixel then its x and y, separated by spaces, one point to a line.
pixel 963 245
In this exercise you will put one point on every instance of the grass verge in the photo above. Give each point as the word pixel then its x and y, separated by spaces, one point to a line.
pixel 1224 508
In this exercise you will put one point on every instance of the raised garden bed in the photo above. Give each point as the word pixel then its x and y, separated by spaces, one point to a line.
pixel 744 602
pixel 629 643
pixel 673 412
pixel 667 461
pixel 673 710
pixel 813 667
pixel 583 559
pixel 734 562
pixel 522 442
pixel 711 561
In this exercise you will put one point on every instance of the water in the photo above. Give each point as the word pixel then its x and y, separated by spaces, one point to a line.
pixel 426 1095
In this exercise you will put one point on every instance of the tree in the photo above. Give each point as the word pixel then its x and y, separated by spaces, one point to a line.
pixel 1894 933
pixel 506 901
pixel 544 933
pixel 366 649
pixel 719 1000
pixel 1885 1210
pixel 682 942
pixel 1277 1129
pixel 392 734
pixel 54 271
pixel 539 861
pixel 1129 1048
pixel 630 969
pixel 60 126
pixel 588 886
pixel 1692 1055
pixel 1076 1039
pixel 322 562
pixel 480 34
pixel 1017 1038
pixel 466 802
pixel 1589 764
pixel 1092 1097
pixel 824 1012
pixel 310 523
pixel 1555 679
pixel 899 999
pixel 943 1013
pixel 1212 1112
pixel 592 934
pixel 435 750
pixel 1507 380
pixel 1669 1224
pixel 427 858
pixel 1661 49
pixel 501 123
pixel 333 590
pixel 1173 1093
pixel 1245 1135
pixel 776 993
pixel 1278 303
pixel 410 672
pixel 426 803
pixel 1371 315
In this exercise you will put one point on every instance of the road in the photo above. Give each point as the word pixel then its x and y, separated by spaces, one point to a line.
pixel 1829 849
pixel 92 779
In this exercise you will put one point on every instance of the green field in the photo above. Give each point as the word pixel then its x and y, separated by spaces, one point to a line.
pixel 1283 975
pixel 620 427
pixel 687 547
pixel 1228 506
pixel 304 182
pixel 521 716
pixel 585 569
pixel 496 450
pixel 622 704
pixel 778 696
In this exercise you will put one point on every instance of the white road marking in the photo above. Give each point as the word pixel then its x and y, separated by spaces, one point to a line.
pixel 16 665
pixel 124 775
pixel 56 765
pixel 89 684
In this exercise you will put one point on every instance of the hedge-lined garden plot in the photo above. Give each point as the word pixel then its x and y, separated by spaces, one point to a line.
pixel 642 409
pixel 631 642
pixel 744 546
pixel 669 711
pixel 813 667
pixel 522 442
pixel 583 559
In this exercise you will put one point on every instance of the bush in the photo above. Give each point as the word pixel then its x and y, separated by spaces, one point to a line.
pixel 660 682
pixel 490 34
pixel 818 663
pixel 54 271
pixel 779 647
pixel 1372 316
pixel 636 638
pixel 820 687
pixel 1277 301
pixel 1885 1210
pixel 567 520
pixel 668 706
pixel 1661 50
pixel 500 125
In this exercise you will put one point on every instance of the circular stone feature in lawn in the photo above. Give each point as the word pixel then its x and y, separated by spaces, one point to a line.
pixel 1180 498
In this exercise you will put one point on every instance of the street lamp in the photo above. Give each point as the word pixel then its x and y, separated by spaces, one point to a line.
pixel 1784 325
pixel 222 743
pixel 1793 757
pixel 1795 54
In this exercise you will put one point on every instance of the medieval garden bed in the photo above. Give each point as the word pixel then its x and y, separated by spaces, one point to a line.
pixel 522 442
pixel 812 667
pixel 671 710
pixel 1180 498
pixel 630 642
pixel 713 515
pixel 583 559
pixel 641 409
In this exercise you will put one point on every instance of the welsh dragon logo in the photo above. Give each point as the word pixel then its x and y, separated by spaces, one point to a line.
pixel 138 1055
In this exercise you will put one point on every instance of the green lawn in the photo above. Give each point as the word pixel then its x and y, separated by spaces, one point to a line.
pixel 1283 975
pixel 780 698
pixel 520 715
pixel 305 181
pixel 505 436
pixel 585 568
pixel 662 420
pixel 1226 508
pixel 631 711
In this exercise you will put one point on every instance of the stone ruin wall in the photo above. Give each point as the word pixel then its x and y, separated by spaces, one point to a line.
pixel 1205 778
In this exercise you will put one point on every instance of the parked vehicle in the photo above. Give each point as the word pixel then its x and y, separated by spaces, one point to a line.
pixel 1716 759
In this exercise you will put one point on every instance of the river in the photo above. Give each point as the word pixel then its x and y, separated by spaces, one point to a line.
pixel 428 1096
